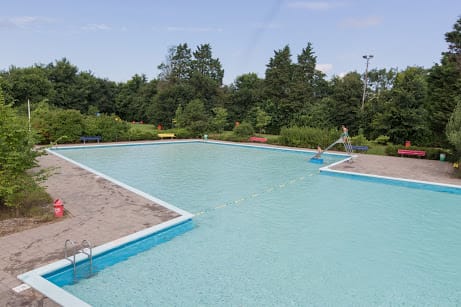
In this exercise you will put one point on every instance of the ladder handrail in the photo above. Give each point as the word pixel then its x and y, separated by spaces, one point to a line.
pixel 87 244
pixel 72 243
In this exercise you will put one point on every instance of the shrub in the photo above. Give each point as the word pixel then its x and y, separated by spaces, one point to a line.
pixel 359 140
pixel 31 200
pixel 109 127
pixel 54 124
pixel 16 154
pixel 391 150
pixel 138 134
pixel 67 124
pixel 244 130
pixel 182 133
pixel 382 139
pixel 308 137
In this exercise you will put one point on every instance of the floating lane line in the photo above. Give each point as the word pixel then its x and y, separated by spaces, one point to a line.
pixel 253 195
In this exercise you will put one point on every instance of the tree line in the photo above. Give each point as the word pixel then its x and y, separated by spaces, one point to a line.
pixel 294 98
pixel 411 104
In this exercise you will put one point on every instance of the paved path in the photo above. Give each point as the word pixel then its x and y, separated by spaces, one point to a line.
pixel 106 212
pixel 407 168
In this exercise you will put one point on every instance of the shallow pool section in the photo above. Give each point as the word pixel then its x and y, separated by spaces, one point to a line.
pixel 271 231
pixel 101 261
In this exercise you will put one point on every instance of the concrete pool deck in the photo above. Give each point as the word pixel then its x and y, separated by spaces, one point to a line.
pixel 100 211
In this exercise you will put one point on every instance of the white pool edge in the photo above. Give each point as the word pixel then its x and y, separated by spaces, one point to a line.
pixel 327 169
pixel 121 184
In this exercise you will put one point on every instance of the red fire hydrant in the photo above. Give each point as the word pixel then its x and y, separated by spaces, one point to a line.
pixel 58 208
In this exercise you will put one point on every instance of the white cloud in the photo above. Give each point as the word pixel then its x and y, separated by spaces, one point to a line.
pixel 314 5
pixel 23 22
pixel 325 68
pixel 193 29
pixel 361 22
pixel 96 27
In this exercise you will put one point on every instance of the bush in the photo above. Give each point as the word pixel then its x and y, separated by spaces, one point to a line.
pixel 138 134
pixel 54 124
pixel 359 140
pixel 308 137
pixel 109 127
pixel 382 139
pixel 391 150
pixel 16 153
pixel 244 130
pixel 182 133
pixel 30 201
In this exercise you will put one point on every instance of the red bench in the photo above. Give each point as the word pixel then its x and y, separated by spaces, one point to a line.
pixel 257 139
pixel 408 152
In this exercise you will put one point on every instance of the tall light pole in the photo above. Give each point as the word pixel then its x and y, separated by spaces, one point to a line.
pixel 368 58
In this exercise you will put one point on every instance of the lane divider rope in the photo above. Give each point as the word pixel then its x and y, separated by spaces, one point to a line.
pixel 254 195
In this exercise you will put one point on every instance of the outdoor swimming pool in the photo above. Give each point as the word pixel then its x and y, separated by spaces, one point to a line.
pixel 270 231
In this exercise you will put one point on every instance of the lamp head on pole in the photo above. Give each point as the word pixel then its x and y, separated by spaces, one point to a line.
pixel 366 57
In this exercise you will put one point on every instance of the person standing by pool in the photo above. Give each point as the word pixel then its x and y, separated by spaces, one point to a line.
pixel 345 133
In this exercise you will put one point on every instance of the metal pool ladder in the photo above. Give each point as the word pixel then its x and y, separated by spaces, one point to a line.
pixel 85 248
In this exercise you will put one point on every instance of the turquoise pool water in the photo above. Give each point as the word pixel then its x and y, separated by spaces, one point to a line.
pixel 271 231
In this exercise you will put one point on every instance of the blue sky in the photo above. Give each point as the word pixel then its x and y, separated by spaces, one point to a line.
pixel 117 39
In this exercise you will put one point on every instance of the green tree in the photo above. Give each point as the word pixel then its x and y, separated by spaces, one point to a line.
pixel 219 120
pixel 245 93
pixel 453 39
pixel 405 117
pixel 444 83
pixel 444 88
pixel 178 65
pixel 308 87
pixel 317 115
pixel 454 129
pixel 344 104
pixel 380 83
pixel 134 99
pixel 95 92
pixel 63 75
pixel 193 117
pixel 185 77
pixel 167 100
pixel 29 83
pixel 205 65
pixel 279 76
pixel 262 119
pixel 16 154
pixel 304 76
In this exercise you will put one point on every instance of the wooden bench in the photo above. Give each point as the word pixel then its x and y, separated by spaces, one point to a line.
pixel 359 148
pixel 257 139
pixel 408 152
pixel 90 138
pixel 166 135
